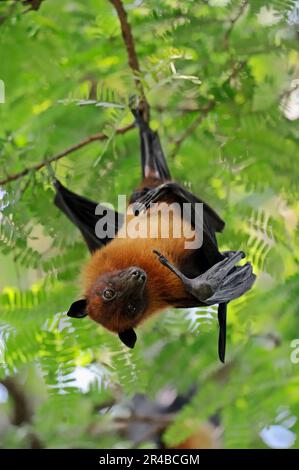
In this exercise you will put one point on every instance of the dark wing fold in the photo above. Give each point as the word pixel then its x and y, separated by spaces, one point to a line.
pixel 222 313
pixel 153 160
pixel 81 211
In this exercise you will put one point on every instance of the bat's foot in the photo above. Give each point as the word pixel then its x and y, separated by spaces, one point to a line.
pixel 163 260
pixel 154 195
pixel 146 200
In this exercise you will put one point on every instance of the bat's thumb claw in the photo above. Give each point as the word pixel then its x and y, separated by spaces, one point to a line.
pixel 138 208
pixel 162 258
pixel 157 253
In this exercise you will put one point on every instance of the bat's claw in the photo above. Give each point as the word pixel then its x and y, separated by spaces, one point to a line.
pixel 148 199
pixel 162 258
pixel 138 208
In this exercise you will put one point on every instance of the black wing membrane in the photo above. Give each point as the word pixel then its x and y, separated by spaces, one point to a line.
pixel 222 314
pixel 81 211
pixel 153 160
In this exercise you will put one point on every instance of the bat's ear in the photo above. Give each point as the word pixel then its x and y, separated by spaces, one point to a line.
pixel 78 309
pixel 128 337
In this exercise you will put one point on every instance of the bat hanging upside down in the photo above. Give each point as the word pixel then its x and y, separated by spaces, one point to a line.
pixel 128 279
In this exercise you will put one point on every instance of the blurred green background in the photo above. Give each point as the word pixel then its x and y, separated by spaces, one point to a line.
pixel 67 383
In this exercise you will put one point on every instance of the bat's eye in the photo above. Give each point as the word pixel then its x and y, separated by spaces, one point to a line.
pixel 108 294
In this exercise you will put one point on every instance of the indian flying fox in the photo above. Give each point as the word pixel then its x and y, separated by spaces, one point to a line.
pixel 129 278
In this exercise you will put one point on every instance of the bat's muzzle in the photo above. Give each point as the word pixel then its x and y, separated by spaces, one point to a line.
pixel 136 276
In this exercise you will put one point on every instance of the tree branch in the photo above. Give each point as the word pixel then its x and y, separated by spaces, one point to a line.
pixel 188 131
pixel 9 12
pixel 127 35
pixel 92 138
pixel 164 419
pixel 22 410
pixel 236 69
pixel 32 4
pixel 233 21
pixel 180 109
pixel 131 52
pixel 133 64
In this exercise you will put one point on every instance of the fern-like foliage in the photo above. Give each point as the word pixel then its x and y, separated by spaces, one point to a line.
pixel 66 76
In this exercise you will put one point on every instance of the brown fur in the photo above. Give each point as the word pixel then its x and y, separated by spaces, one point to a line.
pixel 162 287
pixel 121 254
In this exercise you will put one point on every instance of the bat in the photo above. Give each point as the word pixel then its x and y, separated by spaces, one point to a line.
pixel 128 279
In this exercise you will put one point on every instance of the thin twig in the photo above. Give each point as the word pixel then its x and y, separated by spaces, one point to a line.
pixel 236 69
pixel 92 138
pixel 134 65
pixel 9 13
pixel 233 21
pixel 204 111
pixel 33 5
pixel 156 424
pixel 178 109
pixel 131 51
pixel 189 130
pixel 22 410
pixel 164 419
pixel 127 35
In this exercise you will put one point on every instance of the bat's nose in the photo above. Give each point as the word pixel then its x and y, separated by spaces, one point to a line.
pixel 138 275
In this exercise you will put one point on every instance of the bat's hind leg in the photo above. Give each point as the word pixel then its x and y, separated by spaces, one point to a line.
pixel 221 283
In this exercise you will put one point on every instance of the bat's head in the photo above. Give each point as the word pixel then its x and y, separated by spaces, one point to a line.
pixel 116 300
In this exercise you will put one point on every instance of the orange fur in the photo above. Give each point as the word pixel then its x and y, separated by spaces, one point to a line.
pixel 124 252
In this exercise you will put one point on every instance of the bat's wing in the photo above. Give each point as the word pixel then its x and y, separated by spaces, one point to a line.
pixel 81 212
pixel 153 160
pixel 220 284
